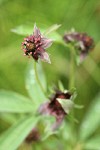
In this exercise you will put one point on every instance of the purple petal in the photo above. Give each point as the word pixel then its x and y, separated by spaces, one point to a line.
pixel 36 31
pixel 45 57
pixel 46 42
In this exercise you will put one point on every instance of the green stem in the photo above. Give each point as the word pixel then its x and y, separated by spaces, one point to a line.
pixel 72 69
pixel 72 85
pixel 37 78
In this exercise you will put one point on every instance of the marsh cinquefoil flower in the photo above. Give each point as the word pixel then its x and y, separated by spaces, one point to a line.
pixel 54 108
pixel 35 45
pixel 81 41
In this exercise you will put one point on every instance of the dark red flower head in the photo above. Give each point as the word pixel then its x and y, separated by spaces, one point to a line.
pixel 54 108
pixel 35 45
pixel 81 41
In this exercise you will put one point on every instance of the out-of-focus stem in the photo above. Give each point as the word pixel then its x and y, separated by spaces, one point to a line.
pixel 72 85
pixel 72 69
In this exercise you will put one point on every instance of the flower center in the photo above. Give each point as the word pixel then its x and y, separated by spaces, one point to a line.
pixel 30 46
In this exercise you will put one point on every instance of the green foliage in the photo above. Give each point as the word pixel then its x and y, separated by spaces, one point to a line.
pixel 14 103
pixel 23 30
pixel 91 120
pixel 93 143
pixel 15 135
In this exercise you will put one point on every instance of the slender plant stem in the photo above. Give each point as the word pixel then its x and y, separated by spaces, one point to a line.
pixel 72 70
pixel 72 85
pixel 37 78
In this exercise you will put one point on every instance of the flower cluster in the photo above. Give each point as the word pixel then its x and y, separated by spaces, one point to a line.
pixel 81 41
pixel 35 45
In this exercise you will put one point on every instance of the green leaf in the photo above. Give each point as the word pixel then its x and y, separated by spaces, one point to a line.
pixel 9 117
pixel 51 29
pixel 93 143
pixel 52 33
pixel 66 104
pixel 56 37
pixel 60 85
pixel 15 103
pixel 32 85
pixel 15 135
pixel 91 120
pixel 23 30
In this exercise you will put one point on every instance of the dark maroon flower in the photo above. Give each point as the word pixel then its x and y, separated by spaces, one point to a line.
pixel 81 41
pixel 54 108
pixel 33 136
pixel 35 45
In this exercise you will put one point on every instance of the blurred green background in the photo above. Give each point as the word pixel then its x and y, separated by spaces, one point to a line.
pixel 83 15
